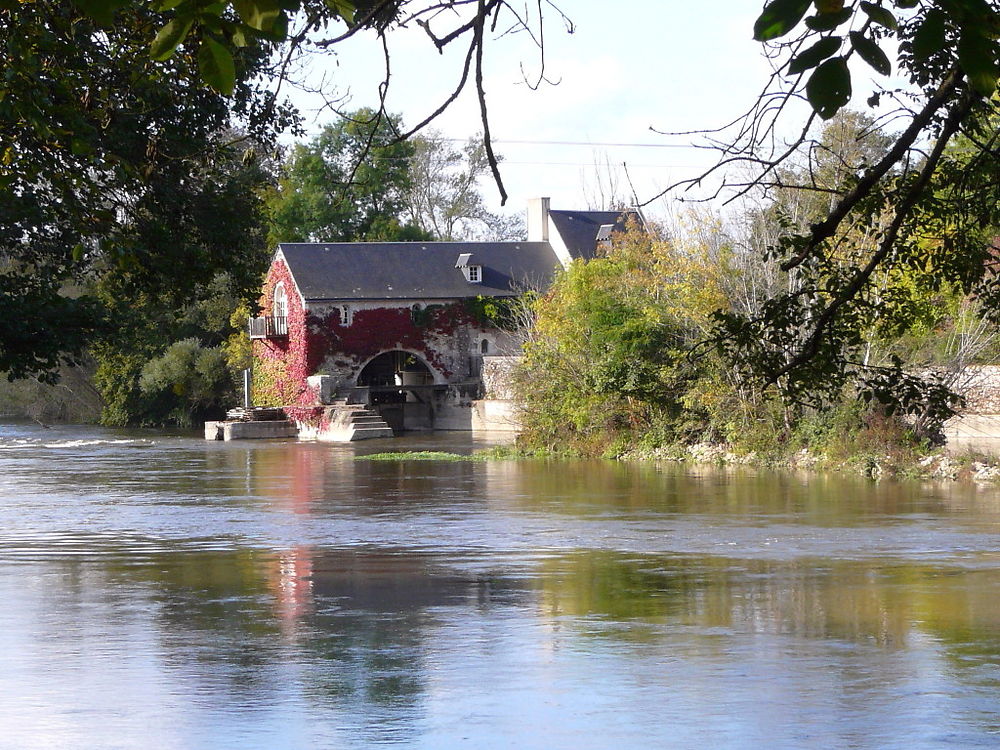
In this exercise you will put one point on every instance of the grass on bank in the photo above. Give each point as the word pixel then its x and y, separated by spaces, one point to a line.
pixel 418 456
pixel 497 453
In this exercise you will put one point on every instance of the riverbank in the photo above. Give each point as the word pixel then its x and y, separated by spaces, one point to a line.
pixel 965 466
pixel 940 464
pixel 900 460
pixel 851 437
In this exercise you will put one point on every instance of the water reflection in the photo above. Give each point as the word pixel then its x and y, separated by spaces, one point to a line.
pixel 365 633
pixel 189 594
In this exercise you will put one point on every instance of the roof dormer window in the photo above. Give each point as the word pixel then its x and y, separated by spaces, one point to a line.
pixel 473 271
pixel 604 236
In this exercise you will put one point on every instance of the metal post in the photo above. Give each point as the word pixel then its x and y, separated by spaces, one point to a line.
pixel 247 379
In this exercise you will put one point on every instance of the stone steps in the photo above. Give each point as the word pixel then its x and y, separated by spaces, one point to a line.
pixel 359 422
pixel 368 433
pixel 350 422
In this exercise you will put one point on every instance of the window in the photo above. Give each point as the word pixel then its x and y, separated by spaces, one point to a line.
pixel 279 308
pixel 345 315
pixel 472 273
pixel 604 237
pixel 484 347
pixel 278 323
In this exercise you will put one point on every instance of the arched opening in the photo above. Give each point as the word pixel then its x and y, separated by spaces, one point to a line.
pixel 395 368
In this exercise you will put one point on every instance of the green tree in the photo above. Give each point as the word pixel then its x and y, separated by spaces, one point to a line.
pixel 349 183
pixel 110 167
pixel 219 223
pixel 443 198
pixel 928 213
pixel 194 374
pixel 156 341
pixel 608 353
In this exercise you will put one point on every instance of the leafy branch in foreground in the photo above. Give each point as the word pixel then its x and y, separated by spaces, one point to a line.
pixel 930 209
pixel 110 139
pixel 115 165
pixel 219 30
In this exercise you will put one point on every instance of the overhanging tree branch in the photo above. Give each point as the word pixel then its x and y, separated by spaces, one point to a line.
pixel 959 112
pixel 828 227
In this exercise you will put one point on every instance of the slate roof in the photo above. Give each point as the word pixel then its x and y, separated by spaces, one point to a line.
pixel 579 229
pixel 423 270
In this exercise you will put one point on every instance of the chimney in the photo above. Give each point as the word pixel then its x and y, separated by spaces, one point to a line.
pixel 538 220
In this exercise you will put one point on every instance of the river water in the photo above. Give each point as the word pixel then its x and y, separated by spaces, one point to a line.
pixel 161 591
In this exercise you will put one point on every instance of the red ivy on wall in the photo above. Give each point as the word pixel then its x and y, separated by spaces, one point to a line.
pixel 382 329
pixel 282 365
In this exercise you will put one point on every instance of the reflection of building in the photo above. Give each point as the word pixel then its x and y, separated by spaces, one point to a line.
pixel 292 585
pixel 389 324
pixel 284 475
pixel 393 580
pixel 368 581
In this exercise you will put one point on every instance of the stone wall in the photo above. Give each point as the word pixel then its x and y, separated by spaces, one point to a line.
pixel 980 386
pixel 445 337
pixel 498 376
pixel 281 364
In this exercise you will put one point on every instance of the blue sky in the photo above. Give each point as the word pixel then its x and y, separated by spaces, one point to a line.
pixel 627 67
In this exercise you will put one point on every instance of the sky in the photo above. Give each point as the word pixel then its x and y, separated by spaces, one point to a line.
pixel 626 68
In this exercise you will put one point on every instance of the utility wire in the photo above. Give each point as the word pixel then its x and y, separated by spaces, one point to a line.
pixel 522 142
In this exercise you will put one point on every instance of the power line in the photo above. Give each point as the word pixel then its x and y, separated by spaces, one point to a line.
pixel 529 162
pixel 613 165
pixel 523 142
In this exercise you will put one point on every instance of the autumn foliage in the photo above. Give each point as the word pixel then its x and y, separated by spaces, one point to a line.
pixel 610 355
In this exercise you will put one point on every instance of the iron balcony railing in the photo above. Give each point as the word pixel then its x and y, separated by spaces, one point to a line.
pixel 268 327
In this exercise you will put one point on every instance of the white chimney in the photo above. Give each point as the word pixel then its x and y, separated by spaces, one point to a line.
pixel 538 220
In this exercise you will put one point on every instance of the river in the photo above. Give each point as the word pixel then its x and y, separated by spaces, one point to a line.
pixel 161 591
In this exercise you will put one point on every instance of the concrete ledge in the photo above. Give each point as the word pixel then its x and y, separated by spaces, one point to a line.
pixel 276 430
pixel 484 415
pixel 972 426
pixel 347 423
pixel 973 432
pixel 495 415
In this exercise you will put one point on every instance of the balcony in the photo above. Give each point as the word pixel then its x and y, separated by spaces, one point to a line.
pixel 269 327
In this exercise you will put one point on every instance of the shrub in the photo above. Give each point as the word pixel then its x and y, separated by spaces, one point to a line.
pixel 192 378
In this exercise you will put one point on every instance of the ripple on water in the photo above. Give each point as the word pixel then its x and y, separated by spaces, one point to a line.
pixel 42 545
pixel 28 443
pixel 201 594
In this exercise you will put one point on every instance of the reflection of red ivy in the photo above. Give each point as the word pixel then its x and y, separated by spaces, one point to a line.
pixel 282 365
